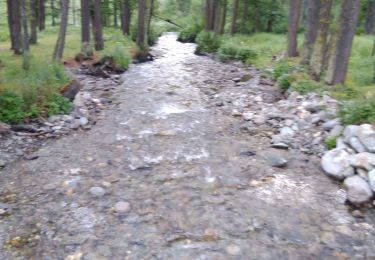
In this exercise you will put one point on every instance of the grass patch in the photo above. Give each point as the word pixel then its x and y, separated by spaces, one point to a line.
pixel 208 42
pixel 233 50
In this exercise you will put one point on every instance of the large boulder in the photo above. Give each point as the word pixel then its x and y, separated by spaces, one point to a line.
pixel 364 161
pixel 350 131
pixel 4 129
pixel 366 135
pixel 336 163
pixel 358 190
pixel 371 177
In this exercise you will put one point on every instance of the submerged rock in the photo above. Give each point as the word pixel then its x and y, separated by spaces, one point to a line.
pixel 358 190
pixel 336 163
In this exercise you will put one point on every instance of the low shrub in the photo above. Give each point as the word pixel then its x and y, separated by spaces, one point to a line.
pixel 189 34
pixel 119 55
pixel 207 42
pixel 358 111
pixel 331 142
pixel 280 69
pixel 11 107
pixel 231 50
pixel 306 86
pixel 285 81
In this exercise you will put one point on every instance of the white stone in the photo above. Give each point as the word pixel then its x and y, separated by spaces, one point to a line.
pixel 336 163
pixel 358 190
pixel 363 160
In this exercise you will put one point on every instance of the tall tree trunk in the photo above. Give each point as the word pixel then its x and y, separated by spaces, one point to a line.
pixel 313 7
pixel 115 13
pixel 319 53
pixel 85 21
pixel 53 13
pixel 74 11
pixel 338 64
pixel 41 15
pixel 373 55
pixel 97 26
pixel 15 25
pixel 210 15
pixel 220 16
pixel 142 24
pixel 125 17
pixel 25 37
pixel 370 18
pixel 234 17
pixel 245 14
pixel 294 16
pixel 60 44
pixel 149 16
pixel 34 21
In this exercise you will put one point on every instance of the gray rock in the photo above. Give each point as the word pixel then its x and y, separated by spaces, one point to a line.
pixel 3 163
pixel 331 124
pixel 57 128
pixel 136 163
pixel 122 207
pixel 336 163
pixel 363 174
pixel 280 145
pixel 356 145
pixel 54 119
pixel 4 129
pixel 83 121
pixel 358 190
pixel 313 107
pixel 248 116
pixel 340 143
pixel 350 131
pixel 336 131
pixel 5 209
pixel 277 161
pixel 366 135
pixel 371 177
pixel 259 120
pixel 97 191
pixel 363 161
pixel 287 131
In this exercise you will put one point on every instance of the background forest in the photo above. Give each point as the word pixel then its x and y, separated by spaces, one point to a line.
pixel 301 44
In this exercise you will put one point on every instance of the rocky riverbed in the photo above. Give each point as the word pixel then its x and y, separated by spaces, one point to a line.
pixel 193 159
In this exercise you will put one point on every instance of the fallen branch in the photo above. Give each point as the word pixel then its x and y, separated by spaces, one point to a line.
pixel 167 20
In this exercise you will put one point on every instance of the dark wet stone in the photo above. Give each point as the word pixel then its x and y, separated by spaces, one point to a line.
pixel 31 157
pixel 247 153
pixel 277 161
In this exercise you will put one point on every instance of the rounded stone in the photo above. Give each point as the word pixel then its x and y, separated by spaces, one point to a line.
pixel 233 250
pixel 97 192
pixel 122 207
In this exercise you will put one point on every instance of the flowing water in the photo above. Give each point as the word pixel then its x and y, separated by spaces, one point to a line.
pixel 198 187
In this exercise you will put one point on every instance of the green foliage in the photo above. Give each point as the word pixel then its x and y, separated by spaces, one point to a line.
pixel 331 142
pixel 305 86
pixel 358 111
pixel 58 104
pixel 118 53
pixel 208 42
pixel 189 34
pixel 231 50
pixel 11 107
pixel 280 69
pixel 285 81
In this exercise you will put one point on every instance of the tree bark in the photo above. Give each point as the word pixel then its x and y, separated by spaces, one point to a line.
pixel 234 17
pixel 41 15
pixel 313 7
pixel 97 26
pixel 210 15
pixel 34 21
pixel 125 17
pixel 319 55
pixel 60 44
pixel 220 16
pixel 115 13
pixel 25 37
pixel 53 14
pixel 142 24
pixel 370 18
pixel 294 17
pixel 85 21
pixel 338 64
pixel 245 15
pixel 15 25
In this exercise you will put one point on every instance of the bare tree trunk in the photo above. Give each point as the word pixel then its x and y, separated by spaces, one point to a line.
pixel 313 7
pixel 53 14
pixel 125 17
pixel 25 37
pixel 319 56
pixel 34 21
pixel 97 26
pixel 294 16
pixel 74 11
pixel 149 14
pixel 245 15
pixel 60 44
pixel 15 25
pixel 85 21
pixel 41 15
pixel 219 16
pixel 142 24
pixel 234 18
pixel 338 64
pixel 210 15
pixel 370 18
pixel 115 13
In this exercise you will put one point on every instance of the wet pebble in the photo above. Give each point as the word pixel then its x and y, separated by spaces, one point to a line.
pixel 3 163
pixel 277 161
pixel 97 191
